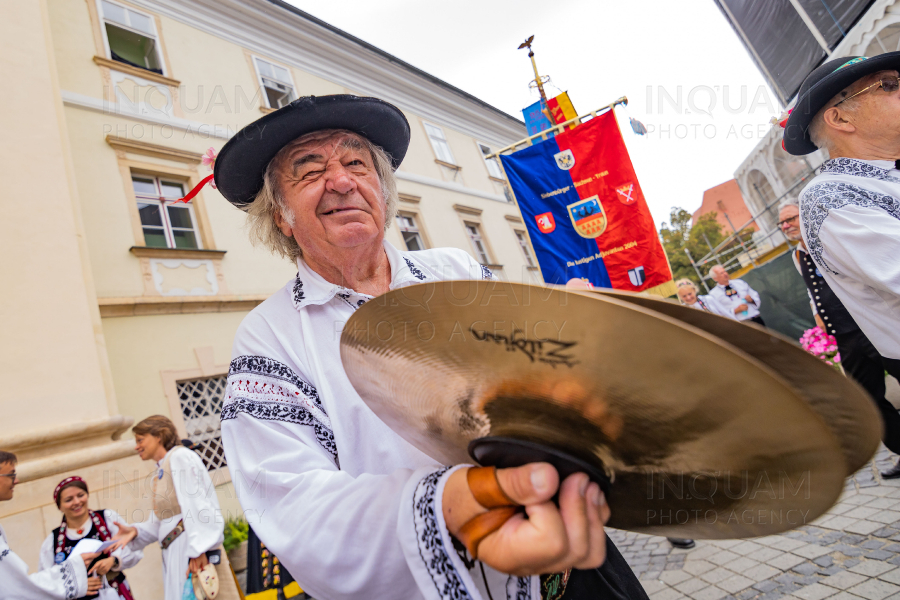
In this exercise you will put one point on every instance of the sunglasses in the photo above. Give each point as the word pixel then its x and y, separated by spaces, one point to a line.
pixel 788 220
pixel 889 84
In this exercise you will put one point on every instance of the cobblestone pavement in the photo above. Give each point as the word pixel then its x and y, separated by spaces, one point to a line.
pixel 851 552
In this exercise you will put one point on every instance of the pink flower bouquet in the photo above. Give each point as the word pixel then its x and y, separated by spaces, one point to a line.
pixel 821 345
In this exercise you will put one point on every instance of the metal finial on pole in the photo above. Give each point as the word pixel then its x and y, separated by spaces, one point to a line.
pixel 538 80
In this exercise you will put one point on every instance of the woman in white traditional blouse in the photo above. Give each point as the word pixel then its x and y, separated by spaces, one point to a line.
pixel 186 520
pixel 687 294
pixel 78 523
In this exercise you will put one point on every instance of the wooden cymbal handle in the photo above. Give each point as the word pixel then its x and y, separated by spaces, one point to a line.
pixel 479 527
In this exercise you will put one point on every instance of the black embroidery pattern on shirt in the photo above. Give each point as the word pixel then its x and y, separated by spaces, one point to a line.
pixel 261 365
pixel 437 560
pixel 4 553
pixel 346 298
pixel 858 168
pixel 281 411
pixel 414 270
pixel 67 570
pixel 486 273
pixel 518 588
pixel 817 200
pixel 299 296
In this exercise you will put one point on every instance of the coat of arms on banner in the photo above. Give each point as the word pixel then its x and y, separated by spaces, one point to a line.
pixel 624 192
pixel 588 217
pixel 636 276
pixel 545 222
pixel 565 160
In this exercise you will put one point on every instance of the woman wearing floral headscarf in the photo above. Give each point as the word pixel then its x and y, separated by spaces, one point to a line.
pixel 79 523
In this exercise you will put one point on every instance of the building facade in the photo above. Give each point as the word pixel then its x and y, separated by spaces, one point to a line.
pixel 727 202
pixel 120 304
pixel 769 174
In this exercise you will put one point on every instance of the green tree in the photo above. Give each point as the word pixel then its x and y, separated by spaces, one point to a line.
pixel 679 234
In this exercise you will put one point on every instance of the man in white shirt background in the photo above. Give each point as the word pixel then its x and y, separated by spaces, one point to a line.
pixel 735 296
pixel 859 358
pixel 850 212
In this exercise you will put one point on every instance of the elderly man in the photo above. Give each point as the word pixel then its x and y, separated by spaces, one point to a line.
pixel 850 212
pixel 66 581
pixel 735 296
pixel 351 509
pixel 859 358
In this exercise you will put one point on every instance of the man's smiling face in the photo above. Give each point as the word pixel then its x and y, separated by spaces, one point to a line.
pixel 332 192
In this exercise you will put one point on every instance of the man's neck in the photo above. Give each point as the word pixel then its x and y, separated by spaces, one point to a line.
pixel 364 269
pixel 866 150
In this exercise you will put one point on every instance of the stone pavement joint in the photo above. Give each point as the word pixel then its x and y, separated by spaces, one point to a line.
pixel 850 553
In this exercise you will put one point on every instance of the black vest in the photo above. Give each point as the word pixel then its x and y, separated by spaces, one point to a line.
pixel 836 318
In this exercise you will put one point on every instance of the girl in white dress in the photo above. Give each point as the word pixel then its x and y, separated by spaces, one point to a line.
pixel 79 522
pixel 186 520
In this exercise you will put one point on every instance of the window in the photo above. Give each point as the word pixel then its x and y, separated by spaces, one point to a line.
pixel 523 244
pixel 276 82
pixel 165 224
pixel 132 37
pixel 201 407
pixel 411 235
pixel 493 164
pixel 481 253
pixel 439 144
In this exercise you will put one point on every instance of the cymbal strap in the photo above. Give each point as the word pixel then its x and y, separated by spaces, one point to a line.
pixel 486 488
pixel 479 527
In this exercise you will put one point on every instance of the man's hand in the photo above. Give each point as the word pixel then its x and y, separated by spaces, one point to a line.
pixel 103 566
pixel 551 539
pixel 749 299
pixel 125 534
pixel 742 308
pixel 94 585
pixel 196 564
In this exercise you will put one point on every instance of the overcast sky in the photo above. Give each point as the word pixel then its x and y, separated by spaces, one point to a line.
pixel 598 50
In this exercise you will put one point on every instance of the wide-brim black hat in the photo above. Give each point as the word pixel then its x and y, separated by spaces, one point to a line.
pixel 822 85
pixel 242 162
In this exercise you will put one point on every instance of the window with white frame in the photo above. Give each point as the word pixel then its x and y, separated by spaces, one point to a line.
pixel 201 408
pixel 493 164
pixel 165 224
pixel 439 143
pixel 131 37
pixel 412 237
pixel 478 245
pixel 276 82
pixel 526 249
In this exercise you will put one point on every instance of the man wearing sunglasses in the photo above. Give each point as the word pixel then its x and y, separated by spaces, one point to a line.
pixel 67 581
pixel 850 212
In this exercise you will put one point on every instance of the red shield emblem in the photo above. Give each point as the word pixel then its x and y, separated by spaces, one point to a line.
pixel 624 192
pixel 545 222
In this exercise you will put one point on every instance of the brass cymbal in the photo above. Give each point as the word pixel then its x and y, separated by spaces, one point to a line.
pixel 698 438
pixel 844 406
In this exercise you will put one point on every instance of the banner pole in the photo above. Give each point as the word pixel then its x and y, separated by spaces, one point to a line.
pixel 560 127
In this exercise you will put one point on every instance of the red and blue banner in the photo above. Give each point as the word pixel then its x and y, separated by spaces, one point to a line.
pixel 536 119
pixel 585 211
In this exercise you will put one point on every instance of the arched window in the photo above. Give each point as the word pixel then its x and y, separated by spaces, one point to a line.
pixel 886 40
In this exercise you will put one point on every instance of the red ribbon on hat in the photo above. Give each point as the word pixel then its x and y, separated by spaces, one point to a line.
pixel 209 159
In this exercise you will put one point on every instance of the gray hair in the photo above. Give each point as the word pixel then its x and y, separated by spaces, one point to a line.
pixel 270 201
pixel 818 130
pixel 789 201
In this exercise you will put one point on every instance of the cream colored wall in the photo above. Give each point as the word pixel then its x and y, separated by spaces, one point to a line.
pixel 49 358
pixel 142 347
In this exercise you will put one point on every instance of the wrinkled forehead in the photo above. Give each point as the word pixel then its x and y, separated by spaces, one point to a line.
pixel 324 143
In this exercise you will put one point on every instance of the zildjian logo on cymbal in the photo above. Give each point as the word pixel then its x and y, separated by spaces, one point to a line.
pixel 545 351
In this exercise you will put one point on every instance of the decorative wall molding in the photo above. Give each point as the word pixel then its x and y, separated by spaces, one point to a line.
pixel 469 210
pixel 76 100
pixel 172 305
pixel 409 198
pixel 148 252
pixel 513 218
pixel 136 71
pixel 155 150
pixel 114 426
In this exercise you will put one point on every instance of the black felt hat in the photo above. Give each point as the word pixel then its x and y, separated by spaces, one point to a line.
pixel 242 162
pixel 822 85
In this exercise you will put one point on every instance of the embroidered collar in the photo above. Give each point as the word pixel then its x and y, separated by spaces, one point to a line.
pixel 874 169
pixel 310 288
